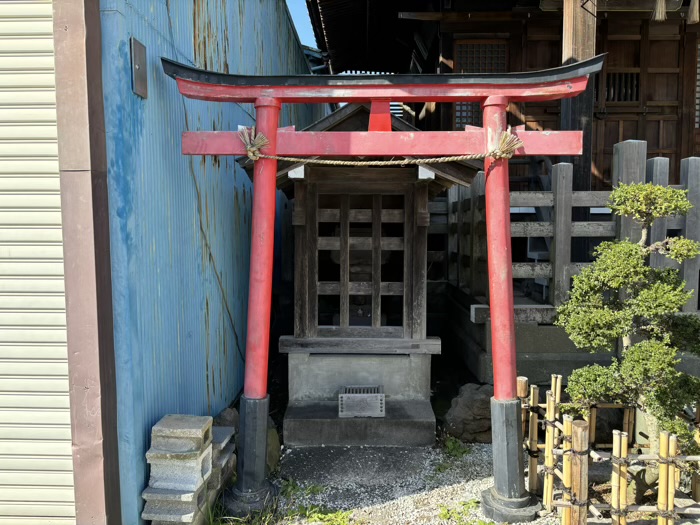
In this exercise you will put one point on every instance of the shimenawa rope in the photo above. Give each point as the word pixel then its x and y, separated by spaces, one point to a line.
pixel 254 142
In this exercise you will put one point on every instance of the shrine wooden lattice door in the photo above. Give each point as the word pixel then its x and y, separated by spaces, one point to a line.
pixel 360 254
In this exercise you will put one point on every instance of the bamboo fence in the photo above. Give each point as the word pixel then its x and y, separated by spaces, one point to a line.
pixel 569 445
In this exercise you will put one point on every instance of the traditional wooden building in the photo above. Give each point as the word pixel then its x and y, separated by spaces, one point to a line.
pixel 646 91
pixel 360 293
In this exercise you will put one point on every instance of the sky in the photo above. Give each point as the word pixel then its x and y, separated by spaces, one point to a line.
pixel 300 15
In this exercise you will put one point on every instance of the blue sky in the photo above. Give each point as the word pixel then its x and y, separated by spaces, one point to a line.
pixel 300 15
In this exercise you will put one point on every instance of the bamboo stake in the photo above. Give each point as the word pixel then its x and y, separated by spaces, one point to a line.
pixel 522 390
pixel 548 495
pixel 566 468
pixel 624 444
pixel 695 480
pixel 579 473
pixel 557 403
pixel 671 498
pixel 533 451
pixel 591 428
pixel 615 480
pixel 663 479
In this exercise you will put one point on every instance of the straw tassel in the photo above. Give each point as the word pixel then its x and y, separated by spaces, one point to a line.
pixel 694 12
pixel 659 14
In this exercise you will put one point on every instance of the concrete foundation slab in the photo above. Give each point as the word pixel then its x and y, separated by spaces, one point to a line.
pixel 319 377
pixel 406 424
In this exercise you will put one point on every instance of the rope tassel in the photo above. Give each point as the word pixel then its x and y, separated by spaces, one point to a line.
pixel 694 12
pixel 508 144
pixel 659 13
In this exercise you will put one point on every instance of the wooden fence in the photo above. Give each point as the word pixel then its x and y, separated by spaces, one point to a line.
pixel 554 209
pixel 569 445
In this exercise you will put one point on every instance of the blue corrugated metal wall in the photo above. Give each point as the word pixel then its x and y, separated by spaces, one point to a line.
pixel 180 225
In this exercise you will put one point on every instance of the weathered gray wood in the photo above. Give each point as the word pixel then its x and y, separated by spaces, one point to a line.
pixel 690 179
pixel 360 331
pixel 359 215
pixel 440 229
pixel 438 206
pixel 453 223
pixel 629 167
pixel 409 226
pixel 465 239
pixel 560 252
pixel 528 229
pixel 478 282
pixel 675 223
pixel 420 264
pixel 301 266
pixel 360 288
pixel 360 243
pixel 657 173
pixel 535 313
pixel 312 258
pixel 531 198
pixel 590 198
pixel 369 345
pixel 532 270
pixel 344 256
pixel 593 229
pixel 376 260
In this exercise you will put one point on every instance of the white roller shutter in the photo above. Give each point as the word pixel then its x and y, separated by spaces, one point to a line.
pixel 36 477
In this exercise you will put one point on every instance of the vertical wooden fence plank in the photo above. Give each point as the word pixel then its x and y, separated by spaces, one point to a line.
pixel 466 232
pixel 629 166
pixel 657 173
pixel 560 253
pixel 301 265
pixel 478 244
pixel 453 231
pixel 690 179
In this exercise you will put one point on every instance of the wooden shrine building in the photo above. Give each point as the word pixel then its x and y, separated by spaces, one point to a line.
pixel 360 285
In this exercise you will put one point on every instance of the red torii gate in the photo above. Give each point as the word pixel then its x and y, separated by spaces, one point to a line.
pixel 508 500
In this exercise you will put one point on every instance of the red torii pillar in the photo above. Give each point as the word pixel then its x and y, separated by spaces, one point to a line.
pixel 507 500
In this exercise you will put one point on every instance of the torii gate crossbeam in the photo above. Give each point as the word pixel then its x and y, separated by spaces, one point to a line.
pixel 508 500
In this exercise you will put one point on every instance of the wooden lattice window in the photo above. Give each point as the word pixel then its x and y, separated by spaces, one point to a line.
pixel 360 263
pixel 622 87
pixel 477 56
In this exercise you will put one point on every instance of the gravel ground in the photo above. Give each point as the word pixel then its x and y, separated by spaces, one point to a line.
pixel 387 486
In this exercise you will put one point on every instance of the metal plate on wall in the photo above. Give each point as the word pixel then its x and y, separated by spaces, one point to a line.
pixel 139 69
pixel 361 401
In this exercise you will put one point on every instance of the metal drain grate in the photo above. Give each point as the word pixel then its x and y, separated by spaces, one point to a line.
pixel 361 401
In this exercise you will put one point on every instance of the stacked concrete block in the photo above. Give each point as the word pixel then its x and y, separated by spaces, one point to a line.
pixel 223 457
pixel 181 465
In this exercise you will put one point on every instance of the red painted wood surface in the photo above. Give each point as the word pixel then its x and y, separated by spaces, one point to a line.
pixel 500 261
pixel 403 93
pixel 380 116
pixel 262 241
pixel 368 143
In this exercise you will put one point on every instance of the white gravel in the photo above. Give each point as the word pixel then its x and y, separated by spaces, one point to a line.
pixel 387 486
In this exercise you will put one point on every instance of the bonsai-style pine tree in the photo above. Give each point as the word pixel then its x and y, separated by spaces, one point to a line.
pixel 619 297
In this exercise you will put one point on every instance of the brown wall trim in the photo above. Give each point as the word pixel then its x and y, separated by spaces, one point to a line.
pixel 84 205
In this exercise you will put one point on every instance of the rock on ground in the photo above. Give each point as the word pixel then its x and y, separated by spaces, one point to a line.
pixel 469 416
